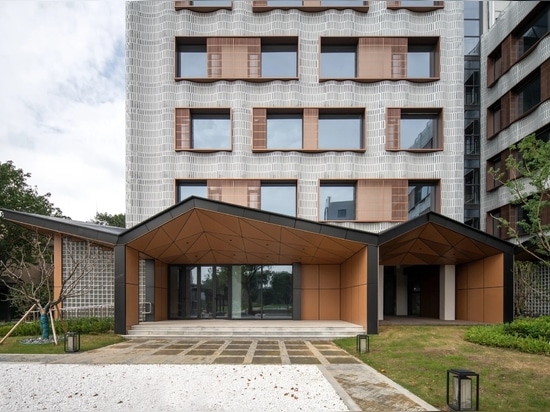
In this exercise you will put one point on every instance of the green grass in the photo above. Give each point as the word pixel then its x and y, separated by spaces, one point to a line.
pixel 87 342
pixel 418 357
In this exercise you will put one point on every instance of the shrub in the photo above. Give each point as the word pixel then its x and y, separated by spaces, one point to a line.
pixel 525 335
pixel 80 325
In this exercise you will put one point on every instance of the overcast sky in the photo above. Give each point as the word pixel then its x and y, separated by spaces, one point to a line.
pixel 62 97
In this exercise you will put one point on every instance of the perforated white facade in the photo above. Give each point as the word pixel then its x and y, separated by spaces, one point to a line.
pixel 154 166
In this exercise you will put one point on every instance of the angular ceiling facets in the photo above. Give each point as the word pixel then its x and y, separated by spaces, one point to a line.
pixel 202 231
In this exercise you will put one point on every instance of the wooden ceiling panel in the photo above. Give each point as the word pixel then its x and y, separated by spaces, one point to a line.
pixel 185 243
pixel 260 230
pixel 214 223
pixel 299 237
pixel 175 226
pixel 432 233
pixel 142 242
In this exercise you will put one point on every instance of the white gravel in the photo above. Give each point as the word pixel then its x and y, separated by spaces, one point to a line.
pixel 62 387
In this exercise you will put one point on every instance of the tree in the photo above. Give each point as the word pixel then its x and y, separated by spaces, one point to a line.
pixel 17 194
pixel 32 283
pixel 527 177
pixel 105 219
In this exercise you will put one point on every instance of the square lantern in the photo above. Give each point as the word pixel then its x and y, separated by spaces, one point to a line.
pixel 362 343
pixel 460 387
pixel 72 342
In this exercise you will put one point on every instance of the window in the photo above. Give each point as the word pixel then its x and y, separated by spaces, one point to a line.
pixel 192 60
pixel 203 129
pixel 338 61
pixel 284 131
pixel 278 197
pixel 535 30
pixel 309 5
pixel 203 5
pixel 471 181
pixel 414 129
pixel 420 61
pixel 493 225
pixel 186 189
pixel 337 201
pixel 471 132
pixel 415 5
pixel 279 60
pixel 471 82
pixel 494 119
pixel 496 164
pixel 310 129
pixel 340 131
pixel 422 198
pixel 370 59
pixel 528 95
pixel 241 58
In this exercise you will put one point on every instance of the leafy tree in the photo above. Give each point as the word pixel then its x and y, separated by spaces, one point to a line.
pixel 17 194
pixel 31 283
pixel 528 179
pixel 118 220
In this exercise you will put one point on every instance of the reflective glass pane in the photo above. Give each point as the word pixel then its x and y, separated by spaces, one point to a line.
pixel 419 62
pixel 416 3
pixel 471 9
pixel 529 95
pixel 277 292
pixel 279 198
pixel 535 32
pixel 192 61
pixel 206 292
pixel 471 46
pixel 337 202
pixel 186 190
pixel 284 3
pixel 221 298
pixel 471 27
pixel 284 131
pixel 340 131
pixel 279 61
pixel 421 199
pixel 211 131
pixel 342 3
pixel 418 131
pixel 338 62
pixel 212 3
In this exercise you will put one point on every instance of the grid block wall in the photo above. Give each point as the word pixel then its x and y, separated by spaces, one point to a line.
pixel 152 96
pixel 94 268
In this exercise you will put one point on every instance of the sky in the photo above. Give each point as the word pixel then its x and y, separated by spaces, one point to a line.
pixel 62 100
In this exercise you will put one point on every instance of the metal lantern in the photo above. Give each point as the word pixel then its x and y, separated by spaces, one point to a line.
pixel 362 343
pixel 460 386
pixel 72 342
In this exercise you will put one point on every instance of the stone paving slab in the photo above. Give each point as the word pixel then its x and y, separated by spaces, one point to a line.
pixel 360 386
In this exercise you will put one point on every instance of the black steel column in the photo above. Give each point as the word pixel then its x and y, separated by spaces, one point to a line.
pixel 372 289
pixel 120 290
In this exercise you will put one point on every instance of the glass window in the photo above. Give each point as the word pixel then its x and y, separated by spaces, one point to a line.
pixel 278 197
pixel 284 131
pixel 284 3
pixel 535 31
pixel 210 131
pixel 279 60
pixel 338 61
pixel 420 61
pixel 340 131
pixel 192 61
pixel 211 3
pixel 418 131
pixel 528 95
pixel 342 3
pixel 471 132
pixel 471 46
pixel 416 3
pixel 337 201
pixel 471 28
pixel 471 83
pixel 471 10
pixel 187 189
pixel 421 198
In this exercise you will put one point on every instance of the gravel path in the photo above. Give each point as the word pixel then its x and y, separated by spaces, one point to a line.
pixel 62 387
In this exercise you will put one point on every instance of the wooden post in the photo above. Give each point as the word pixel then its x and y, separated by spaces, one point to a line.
pixel 18 323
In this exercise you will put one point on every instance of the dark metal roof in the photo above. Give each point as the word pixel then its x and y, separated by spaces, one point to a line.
pixel 49 225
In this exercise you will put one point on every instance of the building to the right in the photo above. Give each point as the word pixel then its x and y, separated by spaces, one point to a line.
pixel 515 103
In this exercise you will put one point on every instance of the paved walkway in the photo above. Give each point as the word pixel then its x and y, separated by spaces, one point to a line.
pixel 361 387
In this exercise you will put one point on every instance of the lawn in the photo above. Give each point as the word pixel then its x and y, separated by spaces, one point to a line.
pixel 417 357
pixel 87 342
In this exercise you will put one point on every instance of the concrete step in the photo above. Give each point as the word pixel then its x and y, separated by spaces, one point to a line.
pixel 236 330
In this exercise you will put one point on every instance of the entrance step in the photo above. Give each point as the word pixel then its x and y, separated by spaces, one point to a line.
pixel 227 329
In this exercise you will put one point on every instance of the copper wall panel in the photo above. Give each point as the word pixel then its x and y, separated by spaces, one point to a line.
pixel 374 200
pixel 233 57
pixel 475 305
pixel 161 291
pixel 57 265
pixel 493 301
pixel 393 128
pixel 132 287
pixel 494 267
pixel 310 304
pixel 311 129
pixel 382 58
pixel 329 277
pixel 461 304
pixel 461 276
pixel 329 308
pixel 475 274
pixel 310 277
pixel 183 128
pixel 259 129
